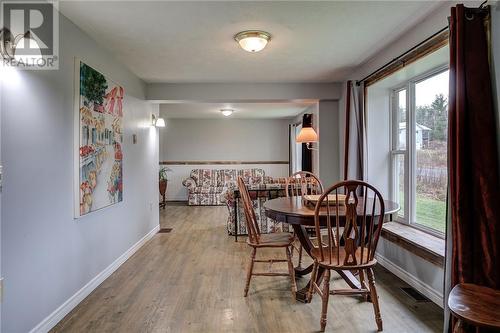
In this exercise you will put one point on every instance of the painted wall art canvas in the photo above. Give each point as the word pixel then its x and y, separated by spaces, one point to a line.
pixel 100 137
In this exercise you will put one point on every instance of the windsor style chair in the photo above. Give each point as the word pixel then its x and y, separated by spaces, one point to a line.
pixel 349 245
pixel 297 185
pixel 256 240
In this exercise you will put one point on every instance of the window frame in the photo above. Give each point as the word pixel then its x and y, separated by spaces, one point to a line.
pixel 409 152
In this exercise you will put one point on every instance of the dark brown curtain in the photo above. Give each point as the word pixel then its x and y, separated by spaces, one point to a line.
pixel 306 153
pixel 473 160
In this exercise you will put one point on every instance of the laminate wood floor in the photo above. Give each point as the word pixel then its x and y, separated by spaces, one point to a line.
pixel 192 280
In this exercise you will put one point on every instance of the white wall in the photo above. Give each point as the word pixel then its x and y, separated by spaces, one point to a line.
pixel 241 92
pixel 329 149
pixel 47 256
pixel 222 140
pixel 379 139
pixel 416 271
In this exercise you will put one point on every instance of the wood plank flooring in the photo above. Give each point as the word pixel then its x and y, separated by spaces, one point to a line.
pixel 192 280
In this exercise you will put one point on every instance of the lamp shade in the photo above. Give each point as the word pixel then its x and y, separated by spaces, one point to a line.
pixel 307 134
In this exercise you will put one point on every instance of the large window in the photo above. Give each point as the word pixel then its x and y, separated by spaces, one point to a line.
pixel 419 150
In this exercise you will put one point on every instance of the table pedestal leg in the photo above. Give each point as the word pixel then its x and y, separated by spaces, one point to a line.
pixel 301 294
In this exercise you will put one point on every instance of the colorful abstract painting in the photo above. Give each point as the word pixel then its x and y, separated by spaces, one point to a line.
pixel 100 122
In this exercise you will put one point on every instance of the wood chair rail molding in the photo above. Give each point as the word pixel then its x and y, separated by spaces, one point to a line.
pixel 220 162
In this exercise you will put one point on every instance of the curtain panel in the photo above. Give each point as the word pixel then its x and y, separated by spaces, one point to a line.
pixel 355 148
pixel 473 154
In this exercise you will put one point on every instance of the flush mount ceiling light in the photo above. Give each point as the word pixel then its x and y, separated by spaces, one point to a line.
pixel 252 40
pixel 227 112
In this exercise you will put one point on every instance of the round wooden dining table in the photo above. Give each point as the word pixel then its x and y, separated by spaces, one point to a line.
pixel 294 211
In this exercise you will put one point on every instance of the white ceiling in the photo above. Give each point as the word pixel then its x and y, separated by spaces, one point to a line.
pixel 241 110
pixel 165 41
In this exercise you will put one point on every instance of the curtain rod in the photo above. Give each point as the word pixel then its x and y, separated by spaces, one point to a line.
pixel 358 82
pixel 481 7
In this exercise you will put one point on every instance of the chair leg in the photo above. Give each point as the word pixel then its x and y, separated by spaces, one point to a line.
pixel 299 265
pixel 291 271
pixel 362 282
pixel 310 292
pixel 250 270
pixel 324 299
pixel 374 297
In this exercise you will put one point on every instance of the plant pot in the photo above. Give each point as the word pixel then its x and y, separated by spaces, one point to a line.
pixel 163 190
pixel 163 187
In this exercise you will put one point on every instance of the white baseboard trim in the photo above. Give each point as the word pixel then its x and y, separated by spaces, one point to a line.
pixel 422 287
pixel 50 321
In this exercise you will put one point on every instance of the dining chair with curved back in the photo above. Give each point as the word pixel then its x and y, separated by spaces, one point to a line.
pixel 302 183
pixel 297 185
pixel 350 242
pixel 256 240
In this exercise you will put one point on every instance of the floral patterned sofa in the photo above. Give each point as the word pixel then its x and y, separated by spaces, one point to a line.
pixel 208 187
pixel 259 194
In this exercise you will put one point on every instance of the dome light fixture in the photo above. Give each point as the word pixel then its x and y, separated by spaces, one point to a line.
pixel 252 40
pixel 227 112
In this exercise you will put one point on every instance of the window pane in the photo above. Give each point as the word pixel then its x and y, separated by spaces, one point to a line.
pixel 399 175
pixel 431 133
pixel 401 119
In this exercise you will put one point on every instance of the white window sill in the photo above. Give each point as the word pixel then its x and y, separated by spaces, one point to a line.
pixel 422 244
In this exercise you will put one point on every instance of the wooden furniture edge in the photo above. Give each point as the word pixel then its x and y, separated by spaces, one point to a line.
pixel 412 246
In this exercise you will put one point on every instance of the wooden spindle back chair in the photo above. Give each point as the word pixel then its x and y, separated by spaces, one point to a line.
pixel 297 185
pixel 302 183
pixel 358 235
pixel 253 229
pixel 257 241
pixel 352 213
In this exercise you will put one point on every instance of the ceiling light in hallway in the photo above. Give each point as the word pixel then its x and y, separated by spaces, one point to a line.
pixel 227 112
pixel 252 40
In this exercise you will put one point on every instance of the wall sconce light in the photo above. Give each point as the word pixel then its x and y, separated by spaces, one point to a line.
pixel 157 122
pixel 7 44
pixel 307 135
pixel 10 43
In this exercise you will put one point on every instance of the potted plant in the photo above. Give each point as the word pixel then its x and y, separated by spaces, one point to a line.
pixel 163 180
